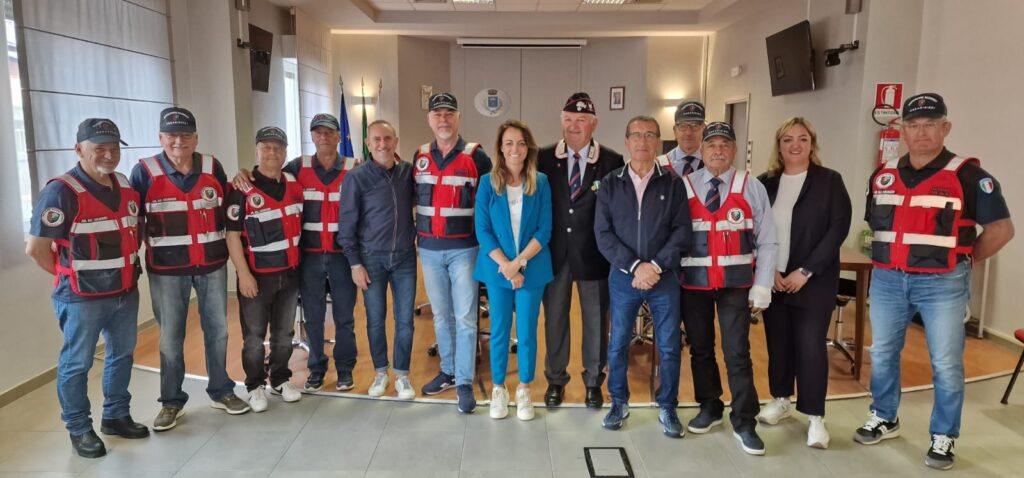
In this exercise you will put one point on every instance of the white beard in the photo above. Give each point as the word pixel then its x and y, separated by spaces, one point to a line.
pixel 444 135
pixel 105 170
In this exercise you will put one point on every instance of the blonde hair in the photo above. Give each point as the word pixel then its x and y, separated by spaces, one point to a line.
pixel 775 163
pixel 500 173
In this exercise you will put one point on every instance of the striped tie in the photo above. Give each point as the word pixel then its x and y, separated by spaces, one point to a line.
pixel 576 181
pixel 713 201
pixel 687 165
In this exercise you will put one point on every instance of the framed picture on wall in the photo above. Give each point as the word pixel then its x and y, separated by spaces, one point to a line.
pixel 617 98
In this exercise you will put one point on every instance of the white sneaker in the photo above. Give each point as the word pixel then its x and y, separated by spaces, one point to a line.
pixel 258 399
pixel 499 402
pixel 380 385
pixel 287 392
pixel 524 404
pixel 817 434
pixel 404 388
pixel 773 411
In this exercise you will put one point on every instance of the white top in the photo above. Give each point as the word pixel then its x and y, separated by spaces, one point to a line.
pixel 515 209
pixel 782 212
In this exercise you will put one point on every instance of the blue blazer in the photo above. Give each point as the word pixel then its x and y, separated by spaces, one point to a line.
pixel 494 230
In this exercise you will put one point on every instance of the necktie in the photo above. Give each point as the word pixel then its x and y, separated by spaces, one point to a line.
pixel 713 201
pixel 576 181
pixel 687 165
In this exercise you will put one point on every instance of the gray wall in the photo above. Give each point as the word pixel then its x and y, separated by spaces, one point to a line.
pixel 420 62
pixel 372 58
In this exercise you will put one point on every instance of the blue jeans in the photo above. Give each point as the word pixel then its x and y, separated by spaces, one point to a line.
pixel 625 302
pixel 170 296
pixel 82 323
pixel 317 269
pixel 448 278
pixel 398 269
pixel 941 299
pixel 526 303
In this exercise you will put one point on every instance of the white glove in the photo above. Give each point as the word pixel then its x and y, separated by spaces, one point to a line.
pixel 760 296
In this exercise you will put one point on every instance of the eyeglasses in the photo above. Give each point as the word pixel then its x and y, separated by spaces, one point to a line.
pixel 924 126
pixel 642 135
pixel 690 126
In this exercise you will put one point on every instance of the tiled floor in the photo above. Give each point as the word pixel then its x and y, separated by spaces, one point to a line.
pixel 345 437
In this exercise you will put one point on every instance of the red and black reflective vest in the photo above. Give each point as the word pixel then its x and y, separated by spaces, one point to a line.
pixel 445 198
pixel 320 209
pixel 272 228
pixel 722 255
pixel 184 229
pixel 920 229
pixel 664 162
pixel 100 253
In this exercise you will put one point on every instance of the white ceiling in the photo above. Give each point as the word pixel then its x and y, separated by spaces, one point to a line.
pixel 526 18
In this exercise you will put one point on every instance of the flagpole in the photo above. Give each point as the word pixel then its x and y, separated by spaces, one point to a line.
pixel 362 93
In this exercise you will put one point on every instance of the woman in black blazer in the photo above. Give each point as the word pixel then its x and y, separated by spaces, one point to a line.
pixel 812 213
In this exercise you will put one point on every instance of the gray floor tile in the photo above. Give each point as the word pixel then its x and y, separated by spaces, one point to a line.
pixel 410 473
pixel 693 453
pixel 36 474
pixel 330 450
pixel 125 473
pixel 46 451
pixel 279 416
pixel 481 420
pixel 418 450
pixel 506 474
pixel 279 473
pixel 419 417
pixel 502 448
pixel 221 474
pixel 229 450
pixel 567 448
pixel 351 414
pixel 164 451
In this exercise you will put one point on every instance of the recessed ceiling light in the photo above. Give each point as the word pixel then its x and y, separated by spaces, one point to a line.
pixel 473 2
pixel 604 2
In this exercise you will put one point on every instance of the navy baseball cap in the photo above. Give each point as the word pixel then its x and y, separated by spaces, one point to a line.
pixel 443 100
pixel 324 119
pixel 99 131
pixel 271 133
pixel 924 105
pixel 177 120
pixel 689 111
pixel 719 128
pixel 579 103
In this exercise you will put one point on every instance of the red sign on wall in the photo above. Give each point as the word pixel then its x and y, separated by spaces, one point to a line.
pixel 890 94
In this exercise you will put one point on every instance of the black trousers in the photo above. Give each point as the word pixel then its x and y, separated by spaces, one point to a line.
pixel 273 311
pixel 797 351
pixel 594 304
pixel 734 321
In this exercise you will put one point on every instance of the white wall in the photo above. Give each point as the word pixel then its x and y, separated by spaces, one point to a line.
pixel 970 56
pixel 420 62
pixel 674 73
pixel 609 62
pixel 268 108
pixel 371 58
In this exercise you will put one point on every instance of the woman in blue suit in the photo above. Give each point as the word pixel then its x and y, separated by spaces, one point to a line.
pixel 513 226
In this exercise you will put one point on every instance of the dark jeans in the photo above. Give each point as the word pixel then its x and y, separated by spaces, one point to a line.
pixel 797 351
pixel 734 321
pixel 273 310
pixel 398 269
pixel 663 300
pixel 317 269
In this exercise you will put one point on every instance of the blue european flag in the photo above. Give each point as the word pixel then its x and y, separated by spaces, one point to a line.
pixel 345 146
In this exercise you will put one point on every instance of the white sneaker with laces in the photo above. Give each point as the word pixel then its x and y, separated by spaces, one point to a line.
pixel 288 392
pixel 258 399
pixel 404 388
pixel 817 434
pixel 499 402
pixel 524 404
pixel 380 385
pixel 773 411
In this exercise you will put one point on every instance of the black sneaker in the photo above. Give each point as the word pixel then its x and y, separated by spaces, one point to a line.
pixel 314 382
pixel 750 442
pixel 345 382
pixel 877 429
pixel 670 423
pixel 940 455
pixel 439 384
pixel 704 421
pixel 467 402
pixel 618 414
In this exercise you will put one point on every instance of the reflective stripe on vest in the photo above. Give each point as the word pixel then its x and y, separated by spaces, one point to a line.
pixel 184 229
pixel 445 199
pixel 94 271
pixel 723 253
pixel 918 229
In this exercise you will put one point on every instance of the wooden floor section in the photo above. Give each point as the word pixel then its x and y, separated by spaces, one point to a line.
pixel 982 357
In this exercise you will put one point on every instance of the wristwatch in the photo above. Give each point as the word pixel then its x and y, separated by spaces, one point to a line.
pixel 805 272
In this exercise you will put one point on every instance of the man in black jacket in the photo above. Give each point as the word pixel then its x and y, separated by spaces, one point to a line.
pixel 574 167
pixel 643 228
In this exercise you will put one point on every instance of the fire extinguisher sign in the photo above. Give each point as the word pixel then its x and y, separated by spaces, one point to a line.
pixel 889 94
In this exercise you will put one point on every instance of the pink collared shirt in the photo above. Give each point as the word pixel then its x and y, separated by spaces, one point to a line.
pixel 640 184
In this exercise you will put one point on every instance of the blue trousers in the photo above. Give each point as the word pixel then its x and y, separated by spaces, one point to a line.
pixel 526 303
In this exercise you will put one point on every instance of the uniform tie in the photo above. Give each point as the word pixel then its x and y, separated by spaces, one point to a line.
pixel 687 165
pixel 576 181
pixel 713 200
